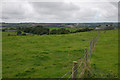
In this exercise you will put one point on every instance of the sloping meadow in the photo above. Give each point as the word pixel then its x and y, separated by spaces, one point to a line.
pixel 51 56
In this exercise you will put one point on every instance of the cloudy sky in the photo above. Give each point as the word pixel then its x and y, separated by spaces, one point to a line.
pixel 64 11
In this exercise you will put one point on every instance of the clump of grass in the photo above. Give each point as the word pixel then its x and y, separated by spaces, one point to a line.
pixel 44 52
pixel 83 39
pixel 25 73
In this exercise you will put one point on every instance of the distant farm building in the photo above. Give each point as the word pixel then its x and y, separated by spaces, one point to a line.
pixel 104 27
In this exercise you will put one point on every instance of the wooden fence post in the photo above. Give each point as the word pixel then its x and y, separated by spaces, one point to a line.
pixel 86 57
pixel 74 71
pixel 90 49
pixel 86 62
pixel 98 35
pixel 93 43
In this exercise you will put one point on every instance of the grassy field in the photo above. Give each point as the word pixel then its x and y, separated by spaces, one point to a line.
pixel 51 56
pixel 105 57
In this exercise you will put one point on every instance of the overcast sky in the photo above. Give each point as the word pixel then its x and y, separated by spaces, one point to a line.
pixel 60 12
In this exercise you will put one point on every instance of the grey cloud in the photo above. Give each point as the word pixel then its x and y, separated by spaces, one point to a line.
pixel 59 12
pixel 119 11
pixel 56 9
pixel 12 10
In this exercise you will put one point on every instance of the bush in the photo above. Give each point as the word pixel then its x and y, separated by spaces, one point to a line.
pixel 36 30
pixel 24 34
pixel 19 32
pixel 12 29
pixel 60 31
pixel 3 30
pixel 54 31
pixel 8 34
pixel 82 30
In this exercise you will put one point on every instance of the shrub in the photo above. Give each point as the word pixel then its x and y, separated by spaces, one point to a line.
pixel 19 32
pixel 24 34
pixel 37 30
pixel 8 34
pixel 3 30
pixel 60 31
pixel 82 30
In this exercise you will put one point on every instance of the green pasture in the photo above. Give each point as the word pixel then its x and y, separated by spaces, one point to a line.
pixel 51 56
pixel 105 56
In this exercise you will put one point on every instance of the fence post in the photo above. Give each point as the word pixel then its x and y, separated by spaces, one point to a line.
pixel 86 57
pixel 90 49
pixel 86 62
pixel 93 43
pixel 98 35
pixel 74 71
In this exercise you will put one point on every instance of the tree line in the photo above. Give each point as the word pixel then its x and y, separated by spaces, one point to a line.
pixel 40 30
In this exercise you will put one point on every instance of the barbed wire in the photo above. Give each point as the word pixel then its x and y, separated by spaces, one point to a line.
pixel 67 72
pixel 76 69
pixel 92 43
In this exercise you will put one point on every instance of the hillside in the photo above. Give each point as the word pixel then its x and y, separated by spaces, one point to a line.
pixel 51 56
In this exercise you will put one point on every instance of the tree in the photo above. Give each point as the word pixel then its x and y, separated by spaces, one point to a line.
pixel 40 30
pixel 24 34
pixel 3 30
pixel 54 31
pixel 60 31
pixel 19 32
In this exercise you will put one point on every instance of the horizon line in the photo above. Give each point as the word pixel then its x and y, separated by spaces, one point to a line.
pixel 65 22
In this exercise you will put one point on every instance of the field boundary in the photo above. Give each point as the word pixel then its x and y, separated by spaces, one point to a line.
pixel 82 69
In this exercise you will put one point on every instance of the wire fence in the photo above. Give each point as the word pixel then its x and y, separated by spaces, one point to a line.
pixel 83 68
